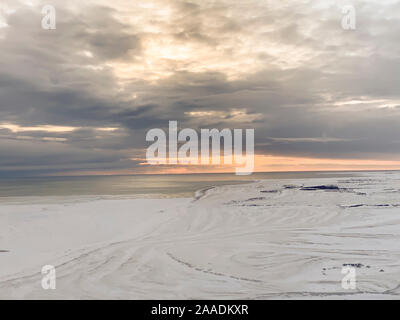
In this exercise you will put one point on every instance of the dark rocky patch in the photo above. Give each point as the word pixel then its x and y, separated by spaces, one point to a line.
pixel 290 186
pixel 355 265
pixel 255 199
pixel 269 191
pixel 323 187
pixel 4 251
pixel 371 205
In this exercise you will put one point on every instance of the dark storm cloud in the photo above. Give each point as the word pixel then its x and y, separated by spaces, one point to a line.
pixel 114 70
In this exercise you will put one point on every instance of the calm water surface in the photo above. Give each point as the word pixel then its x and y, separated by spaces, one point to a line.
pixel 166 185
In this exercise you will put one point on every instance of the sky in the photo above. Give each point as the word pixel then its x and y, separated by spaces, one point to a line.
pixel 79 99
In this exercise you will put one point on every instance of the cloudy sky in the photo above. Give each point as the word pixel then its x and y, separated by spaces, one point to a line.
pixel 80 99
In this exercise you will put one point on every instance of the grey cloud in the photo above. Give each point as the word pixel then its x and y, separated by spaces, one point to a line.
pixel 291 98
